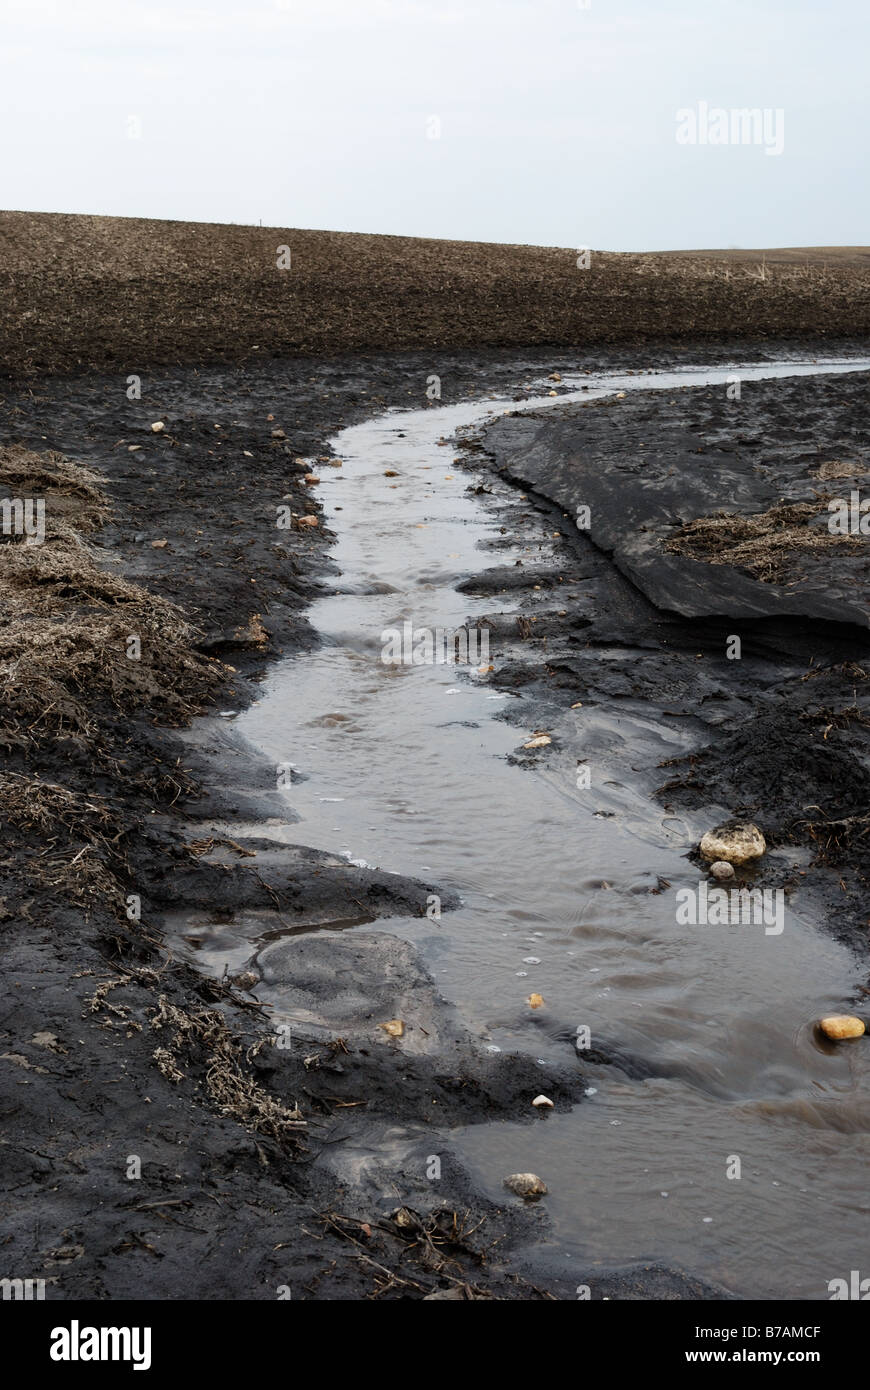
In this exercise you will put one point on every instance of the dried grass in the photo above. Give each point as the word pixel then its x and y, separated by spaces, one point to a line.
pixel 204 1038
pixel 65 672
pixel 65 621
pixel 81 854
pixel 764 545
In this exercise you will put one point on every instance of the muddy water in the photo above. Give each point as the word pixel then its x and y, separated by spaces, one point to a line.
pixel 406 771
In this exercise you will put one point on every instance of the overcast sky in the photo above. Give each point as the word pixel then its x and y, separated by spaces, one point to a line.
pixel 536 121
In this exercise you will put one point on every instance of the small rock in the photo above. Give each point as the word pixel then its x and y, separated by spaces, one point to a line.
pixel 311 478
pixel 395 1028
pixel 527 1185
pixel 722 869
pixel 390 473
pixel 540 741
pixel 535 1001
pixel 158 427
pixel 278 434
pixel 246 979
pixel 334 463
pixel 308 521
pixel 159 545
pixel 554 376
pixel 841 1026
pixel 133 448
pixel 737 843
pixel 542 1103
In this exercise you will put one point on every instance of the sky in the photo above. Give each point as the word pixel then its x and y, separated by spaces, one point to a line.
pixel 547 122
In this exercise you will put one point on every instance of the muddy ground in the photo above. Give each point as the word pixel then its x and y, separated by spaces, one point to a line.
pixel 708 522
pixel 159 1138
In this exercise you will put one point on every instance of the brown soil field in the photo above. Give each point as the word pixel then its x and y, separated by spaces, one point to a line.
pixel 81 292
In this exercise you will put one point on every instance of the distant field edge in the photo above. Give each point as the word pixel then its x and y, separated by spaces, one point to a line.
pixel 80 293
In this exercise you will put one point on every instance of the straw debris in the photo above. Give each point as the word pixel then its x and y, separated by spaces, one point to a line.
pixel 764 545
pixel 204 1038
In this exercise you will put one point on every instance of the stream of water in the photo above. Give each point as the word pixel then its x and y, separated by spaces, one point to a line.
pixel 406 771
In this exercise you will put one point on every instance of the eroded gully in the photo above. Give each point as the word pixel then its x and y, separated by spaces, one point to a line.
pixel 406 770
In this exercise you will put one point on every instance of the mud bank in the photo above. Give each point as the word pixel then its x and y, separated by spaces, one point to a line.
pixel 158 1141
pixel 703 589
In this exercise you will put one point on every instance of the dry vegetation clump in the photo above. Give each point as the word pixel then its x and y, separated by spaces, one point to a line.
pixel 847 836
pixel 841 839
pixel 70 686
pixel 79 838
pixel 203 1039
pixel 66 623
pixel 839 468
pixel 25 474
pixel 764 545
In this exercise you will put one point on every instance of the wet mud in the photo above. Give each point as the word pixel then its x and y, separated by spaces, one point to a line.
pixel 158 1140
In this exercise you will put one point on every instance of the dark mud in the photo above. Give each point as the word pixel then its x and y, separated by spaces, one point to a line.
pixel 265 1166
pixel 162 1138
pixel 628 616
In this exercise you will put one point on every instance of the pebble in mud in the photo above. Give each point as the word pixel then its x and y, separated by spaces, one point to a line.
pixel 839 1026
pixel 736 843
pixel 527 1185
pixel 722 870
pixel 246 979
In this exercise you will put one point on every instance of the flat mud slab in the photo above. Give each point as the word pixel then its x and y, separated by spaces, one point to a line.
pixel 650 465
pixel 703 572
